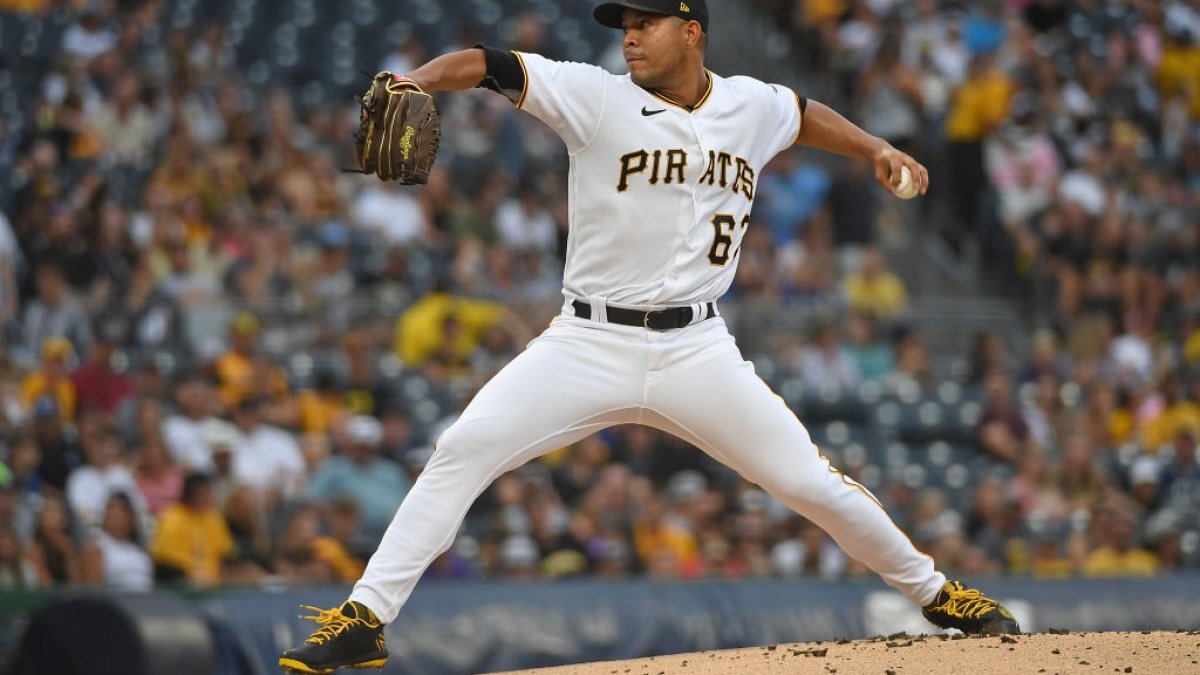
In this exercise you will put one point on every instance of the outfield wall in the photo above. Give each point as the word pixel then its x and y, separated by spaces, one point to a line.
pixel 482 627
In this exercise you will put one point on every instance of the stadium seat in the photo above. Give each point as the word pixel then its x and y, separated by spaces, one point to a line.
pixel 853 456
pixel 914 476
pixel 832 403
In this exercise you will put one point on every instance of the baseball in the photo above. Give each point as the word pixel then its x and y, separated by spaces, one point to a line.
pixel 907 189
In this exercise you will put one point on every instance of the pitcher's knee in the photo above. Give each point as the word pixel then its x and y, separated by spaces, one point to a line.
pixel 478 442
pixel 805 490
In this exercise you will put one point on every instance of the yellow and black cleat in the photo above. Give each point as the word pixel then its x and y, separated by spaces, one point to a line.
pixel 969 610
pixel 349 636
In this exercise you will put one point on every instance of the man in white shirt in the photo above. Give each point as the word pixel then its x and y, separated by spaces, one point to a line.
pixel 186 432
pixel 90 486
pixel 523 222
pixel 266 458
pixel 393 215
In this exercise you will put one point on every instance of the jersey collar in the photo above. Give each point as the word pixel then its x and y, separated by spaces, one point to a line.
pixel 683 106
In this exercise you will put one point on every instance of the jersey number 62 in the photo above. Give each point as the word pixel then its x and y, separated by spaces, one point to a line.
pixel 723 224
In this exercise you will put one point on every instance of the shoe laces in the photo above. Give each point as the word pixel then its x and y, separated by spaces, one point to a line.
pixel 332 621
pixel 966 603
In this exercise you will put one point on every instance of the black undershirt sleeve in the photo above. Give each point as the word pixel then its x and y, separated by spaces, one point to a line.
pixel 505 74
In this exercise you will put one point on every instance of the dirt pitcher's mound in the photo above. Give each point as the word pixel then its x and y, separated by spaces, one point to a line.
pixel 1150 653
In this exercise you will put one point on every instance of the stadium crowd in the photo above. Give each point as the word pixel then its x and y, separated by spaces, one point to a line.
pixel 225 361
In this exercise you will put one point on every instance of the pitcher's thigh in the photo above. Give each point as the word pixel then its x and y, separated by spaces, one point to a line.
pixel 554 392
pixel 730 413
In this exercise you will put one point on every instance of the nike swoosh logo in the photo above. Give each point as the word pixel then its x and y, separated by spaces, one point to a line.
pixel 647 113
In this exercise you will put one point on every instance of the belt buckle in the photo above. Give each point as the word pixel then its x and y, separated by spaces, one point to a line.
pixel 646 320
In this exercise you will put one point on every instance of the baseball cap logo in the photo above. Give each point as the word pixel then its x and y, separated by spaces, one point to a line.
pixel 684 8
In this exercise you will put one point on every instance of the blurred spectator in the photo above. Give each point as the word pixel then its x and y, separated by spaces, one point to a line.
pixel 88 38
pixel 1044 415
pixel 377 485
pixel 1177 414
pixel 90 485
pixel 518 557
pixel 890 95
pixel 994 523
pixel 1081 481
pixel 1044 359
pixel 854 205
pixel 295 556
pixel 933 42
pixel 578 472
pixel 51 380
pixel 187 432
pixel 1178 69
pixel 17 572
pixel 1117 553
pixel 1144 478
pixel 186 277
pixel 221 440
pixel 1181 478
pixel 988 353
pixel 159 479
pixel 394 216
pixel 874 289
pixel 983 28
pixel 872 358
pixel 344 538
pixel 247 519
pixel 523 222
pixel 24 460
pixel 913 371
pixel 192 539
pixel 1001 430
pixel 235 368
pixel 59 455
pixel 265 458
pixel 126 125
pixel 97 383
pixel 811 554
pixel 1048 558
pixel 1085 186
pixel 405 56
pixel 114 556
pixel 824 363
pixel 1023 166
pixel 665 544
pixel 792 192
pixel 330 282
pixel 978 107
pixel 52 550
pixel 367 391
pixel 1131 353
pixel 54 313
pixel 442 323
pixel 321 407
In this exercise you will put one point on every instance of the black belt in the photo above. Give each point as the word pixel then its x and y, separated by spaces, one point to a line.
pixel 662 319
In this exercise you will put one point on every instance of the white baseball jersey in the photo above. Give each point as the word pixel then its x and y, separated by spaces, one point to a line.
pixel 660 194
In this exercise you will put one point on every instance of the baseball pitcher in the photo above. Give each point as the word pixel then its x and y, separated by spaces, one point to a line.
pixel 664 167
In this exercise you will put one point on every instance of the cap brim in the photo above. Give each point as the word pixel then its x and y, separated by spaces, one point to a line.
pixel 609 14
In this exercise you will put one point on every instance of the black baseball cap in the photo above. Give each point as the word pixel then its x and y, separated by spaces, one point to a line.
pixel 609 13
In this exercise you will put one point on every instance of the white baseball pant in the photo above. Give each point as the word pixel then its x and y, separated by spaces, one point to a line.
pixel 581 376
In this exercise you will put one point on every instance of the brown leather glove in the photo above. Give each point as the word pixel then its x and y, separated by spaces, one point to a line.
pixel 399 128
